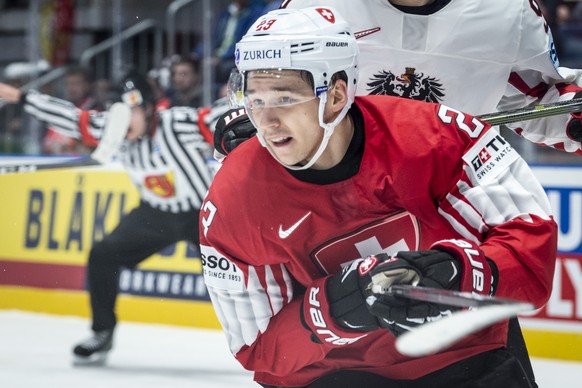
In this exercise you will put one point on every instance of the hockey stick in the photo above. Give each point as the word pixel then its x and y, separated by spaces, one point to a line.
pixel 435 336
pixel 113 135
pixel 531 113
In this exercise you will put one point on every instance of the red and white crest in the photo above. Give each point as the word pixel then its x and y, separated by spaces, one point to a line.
pixel 326 14
pixel 399 232
pixel 367 265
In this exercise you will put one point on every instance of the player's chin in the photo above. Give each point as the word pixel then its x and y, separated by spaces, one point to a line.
pixel 286 157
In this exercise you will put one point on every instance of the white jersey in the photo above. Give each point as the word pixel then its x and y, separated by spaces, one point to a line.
pixel 479 56
pixel 170 168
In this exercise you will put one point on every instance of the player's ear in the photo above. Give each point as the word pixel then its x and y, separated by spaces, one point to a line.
pixel 337 96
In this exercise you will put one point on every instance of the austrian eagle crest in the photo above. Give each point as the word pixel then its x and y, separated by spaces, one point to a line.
pixel 411 84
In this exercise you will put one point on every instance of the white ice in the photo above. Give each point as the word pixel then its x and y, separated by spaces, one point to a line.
pixel 35 351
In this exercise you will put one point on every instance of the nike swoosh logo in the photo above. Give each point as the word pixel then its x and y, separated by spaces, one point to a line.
pixel 363 33
pixel 285 233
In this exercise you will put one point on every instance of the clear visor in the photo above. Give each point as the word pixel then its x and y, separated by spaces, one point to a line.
pixel 234 89
pixel 268 93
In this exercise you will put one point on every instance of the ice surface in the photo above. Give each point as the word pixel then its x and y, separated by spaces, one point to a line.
pixel 35 351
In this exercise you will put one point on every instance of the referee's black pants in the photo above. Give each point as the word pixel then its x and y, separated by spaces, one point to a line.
pixel 140 234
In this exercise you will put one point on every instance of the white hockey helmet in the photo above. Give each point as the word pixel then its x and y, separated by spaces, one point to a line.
pixel 315 39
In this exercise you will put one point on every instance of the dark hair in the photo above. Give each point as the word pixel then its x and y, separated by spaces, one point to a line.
pixel 192 62
pixel 79 70
pixel 308 77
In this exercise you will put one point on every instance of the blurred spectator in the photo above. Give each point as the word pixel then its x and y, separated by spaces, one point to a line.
pixel 565 20
pixel 577 12
pixel 20 133
pixel 11 136
pixel 271 5
pixel 185 89
pixel 102 92
pixel 231 25
pixel 78 84
pixel 568 33
pixel 155 79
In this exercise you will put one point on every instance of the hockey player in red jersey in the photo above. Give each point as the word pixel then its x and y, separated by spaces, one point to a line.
pixel 336 187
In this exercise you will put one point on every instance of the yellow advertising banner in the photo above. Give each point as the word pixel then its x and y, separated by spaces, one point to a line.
pixel 55 216
pixel 49 221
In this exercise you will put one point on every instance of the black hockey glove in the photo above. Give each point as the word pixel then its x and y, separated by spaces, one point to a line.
pixel 347 292
pixel 431 268
pixel 574 128
pixel 334 307
pixel 452 265
pixel 232 128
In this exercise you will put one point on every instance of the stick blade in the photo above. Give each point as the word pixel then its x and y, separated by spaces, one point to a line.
pixel 433 337
pixel 114 133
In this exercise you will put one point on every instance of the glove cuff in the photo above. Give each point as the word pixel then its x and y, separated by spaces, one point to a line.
pixel 317 317
pixel 476 273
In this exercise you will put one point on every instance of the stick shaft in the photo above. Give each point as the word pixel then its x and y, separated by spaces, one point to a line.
pixel 535 112
pixel 436 336
pixel 447 297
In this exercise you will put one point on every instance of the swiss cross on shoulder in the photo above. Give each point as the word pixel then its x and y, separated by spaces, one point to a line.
pixel 471 125
pixel 326 14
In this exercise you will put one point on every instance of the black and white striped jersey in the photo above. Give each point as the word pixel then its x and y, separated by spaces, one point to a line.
pixel 171 168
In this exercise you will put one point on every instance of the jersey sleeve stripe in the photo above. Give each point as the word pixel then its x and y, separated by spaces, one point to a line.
pixel 225 309
pixel 87 138
pixel 52 111
pixel 519 83
pixel 473 210
pixel 246 314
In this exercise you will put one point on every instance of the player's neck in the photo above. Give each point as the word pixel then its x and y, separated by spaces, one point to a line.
pixel 411 3
pixel 337 146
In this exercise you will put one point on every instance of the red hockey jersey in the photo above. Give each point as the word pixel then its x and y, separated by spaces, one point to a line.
pixel 428 172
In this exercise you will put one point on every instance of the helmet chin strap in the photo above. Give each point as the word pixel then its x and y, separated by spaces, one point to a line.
pixel 328 129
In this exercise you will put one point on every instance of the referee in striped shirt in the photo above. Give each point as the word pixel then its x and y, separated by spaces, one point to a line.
pixel 166 154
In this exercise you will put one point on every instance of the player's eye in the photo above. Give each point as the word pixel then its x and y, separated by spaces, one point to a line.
pixel 256 103
pixel 286 100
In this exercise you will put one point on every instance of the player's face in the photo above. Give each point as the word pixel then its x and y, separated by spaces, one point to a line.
pixel 283 107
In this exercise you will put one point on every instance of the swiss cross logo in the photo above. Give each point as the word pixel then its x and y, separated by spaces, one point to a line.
pixel 397 232
pixel 327 14
pixel 367 265
pixel 484 155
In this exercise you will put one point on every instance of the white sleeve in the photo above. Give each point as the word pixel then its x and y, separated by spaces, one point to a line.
pixel 63 115
pixel 536 78
pixel 244 299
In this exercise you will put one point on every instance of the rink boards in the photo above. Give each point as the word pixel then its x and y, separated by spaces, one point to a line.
pixel 51 218
pixel 49 222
